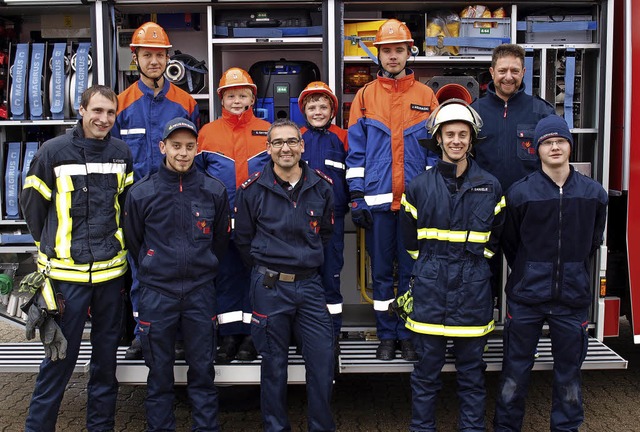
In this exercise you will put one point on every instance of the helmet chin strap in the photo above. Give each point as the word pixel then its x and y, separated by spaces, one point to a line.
pixel 386 73
pixel 155 80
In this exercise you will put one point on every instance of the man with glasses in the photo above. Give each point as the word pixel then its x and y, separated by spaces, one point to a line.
pixel 284 218
pixel 554 225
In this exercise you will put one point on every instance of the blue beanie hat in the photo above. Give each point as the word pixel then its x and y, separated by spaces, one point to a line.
pixel 549 127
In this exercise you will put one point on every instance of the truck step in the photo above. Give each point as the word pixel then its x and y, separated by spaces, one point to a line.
pixel 356 356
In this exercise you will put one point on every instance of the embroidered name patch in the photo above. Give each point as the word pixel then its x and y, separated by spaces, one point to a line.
pixel 423 108
pixel 259 133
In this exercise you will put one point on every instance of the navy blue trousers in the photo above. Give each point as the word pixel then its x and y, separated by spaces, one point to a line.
pixel 569 343
pixel 298 306
pixel 333 263
pixel 105 300
pixel 160 317
pixel 384 244
pixel 232 294
pixel 426 382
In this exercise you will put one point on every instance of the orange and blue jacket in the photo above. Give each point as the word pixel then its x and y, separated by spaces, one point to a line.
pixel 388 117
pixel 233 147
pixel 141 119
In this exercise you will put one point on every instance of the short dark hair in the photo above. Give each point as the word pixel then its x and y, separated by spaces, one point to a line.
pixel 101 89
pixel 282 122
pixel 507 50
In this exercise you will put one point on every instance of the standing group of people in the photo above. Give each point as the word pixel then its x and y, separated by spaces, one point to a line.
pixel 237 229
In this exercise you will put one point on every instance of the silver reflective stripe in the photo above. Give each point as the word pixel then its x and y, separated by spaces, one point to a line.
pixel 90 168
pixel 335 309
pixel 124 132
pixel 382 305
pixel 355 172
pixel 378 199
pixel 229 317
pixel 334 164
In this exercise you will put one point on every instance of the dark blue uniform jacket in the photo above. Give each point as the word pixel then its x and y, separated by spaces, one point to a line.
pixel 273 231
pixel 549 236
pixel 177 228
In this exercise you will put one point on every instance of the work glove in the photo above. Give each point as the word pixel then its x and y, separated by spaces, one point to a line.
pixel 55 344
pixel 35 318
pixel 361 214
pixel 32 282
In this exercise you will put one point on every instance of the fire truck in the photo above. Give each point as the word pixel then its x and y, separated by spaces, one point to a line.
pixel 581 55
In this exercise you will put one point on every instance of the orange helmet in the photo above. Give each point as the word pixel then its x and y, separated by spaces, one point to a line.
pixel 236 77
pixel 393 31
pixel 150 35
pixel 314 88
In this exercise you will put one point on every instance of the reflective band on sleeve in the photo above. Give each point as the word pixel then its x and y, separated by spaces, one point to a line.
pixel 230 317
pixel 357 172
pixel 382 305
pixel 451 331
pixel 378 199
pixel 334 164
pixel 501 204
pixel 140 131
pixel 334 309
pixel 246 318
pixel 408 207
pixel 37 184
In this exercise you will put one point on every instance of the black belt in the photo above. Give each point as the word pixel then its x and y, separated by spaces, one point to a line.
pixel 288 277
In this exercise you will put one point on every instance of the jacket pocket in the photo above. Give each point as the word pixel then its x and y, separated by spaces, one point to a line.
pixel 536 284
pixel 576 289
pixel 314 212
pixel 202 221
pixel 526 150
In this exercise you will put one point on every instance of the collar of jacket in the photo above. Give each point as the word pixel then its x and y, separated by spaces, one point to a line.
pixel 172 177
pixel 550 180
pixel 268 179
pixel 399 85
pixel 237 119
pixel 491 89
pixel 148 92
pixel 322 130
pixel 88 143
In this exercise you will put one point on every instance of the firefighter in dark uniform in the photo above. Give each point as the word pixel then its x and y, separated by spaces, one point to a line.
pixel 451 222
pixel 284 218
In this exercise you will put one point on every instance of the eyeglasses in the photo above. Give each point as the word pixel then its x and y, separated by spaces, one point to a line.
pixel 291 142
pixel 558 142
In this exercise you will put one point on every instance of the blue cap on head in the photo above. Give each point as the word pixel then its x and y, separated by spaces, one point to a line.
pixel 176 124
pixel 549 127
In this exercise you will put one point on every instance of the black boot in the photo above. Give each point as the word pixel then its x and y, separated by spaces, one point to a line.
pixel 246 351
pixel 386 350
pixel 227 350
pixel 407 351
pixel 134 352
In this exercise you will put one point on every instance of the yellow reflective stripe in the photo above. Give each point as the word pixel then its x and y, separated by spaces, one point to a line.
pixel 442 235
pixel 69 264
pixel 478 237
pixel 34 182
pixel 488 254
pixel 85 276
pixel 64 186
pixel 451 331
pixel 408 207
pixel 120 236
pixel 129 179
pixel 413 253
pixel 501 204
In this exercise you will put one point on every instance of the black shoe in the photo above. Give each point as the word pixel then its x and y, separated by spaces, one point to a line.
pixel 407 351
pixel 386 350
pixel 246 350
pixel 134 352
pixel 179 350
pixel 227 350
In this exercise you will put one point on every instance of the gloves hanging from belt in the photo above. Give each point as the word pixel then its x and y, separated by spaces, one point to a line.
pixel 360 213
pixel 403 305
pixel 41 310
pixel 55 344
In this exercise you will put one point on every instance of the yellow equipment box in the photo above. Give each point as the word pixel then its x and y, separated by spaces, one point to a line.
pixel 360 31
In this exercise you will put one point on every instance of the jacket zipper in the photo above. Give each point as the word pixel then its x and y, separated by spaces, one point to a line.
pixel 504 114
pixel 557 282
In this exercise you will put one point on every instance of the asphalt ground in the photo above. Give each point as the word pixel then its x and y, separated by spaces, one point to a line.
pixel 363 403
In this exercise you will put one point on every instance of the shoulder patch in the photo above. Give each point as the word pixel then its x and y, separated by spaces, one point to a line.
pixel 253 177
pixel 324 176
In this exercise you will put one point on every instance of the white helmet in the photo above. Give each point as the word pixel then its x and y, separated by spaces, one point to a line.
pixel 454 110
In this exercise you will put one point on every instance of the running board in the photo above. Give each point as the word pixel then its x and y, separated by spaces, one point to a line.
pixel 355 357
pixel 360 357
